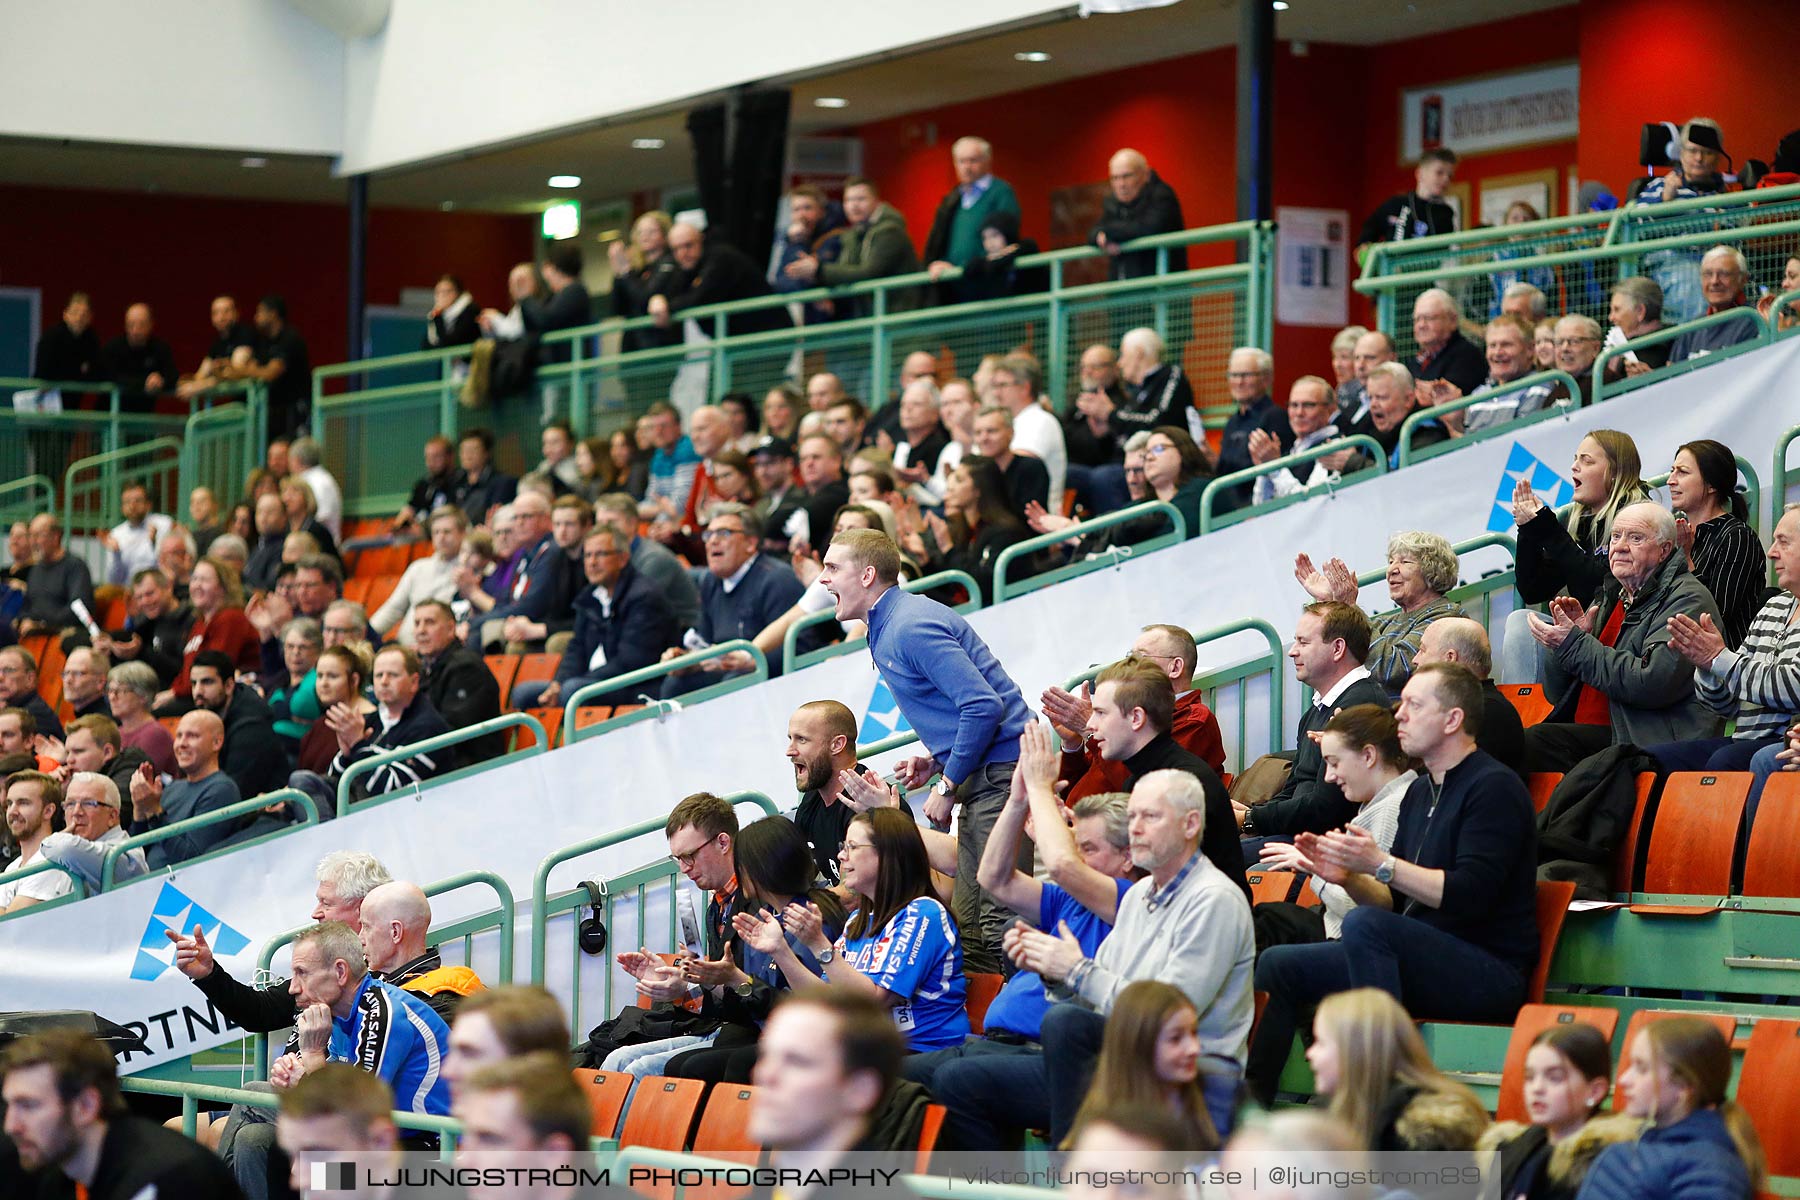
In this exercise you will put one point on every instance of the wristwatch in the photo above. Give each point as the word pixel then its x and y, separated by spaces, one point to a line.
pixel 1385 872
pixel 745 988
pixel 943 786
pixel 827 954
pixel 1249 823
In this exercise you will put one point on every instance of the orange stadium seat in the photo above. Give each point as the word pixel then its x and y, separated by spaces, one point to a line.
pixel 550 718
pixel 983 987
pixel 1268 886
pixel 1772 868
pixel 662 1113
pixel 606 1092
pixel 929 1130
pixel 592 714
pixel 1542 783
pixel 380 589
pixel 724 1129
pixel 503 667
pixel 1766 1091
pixel 1625 857
pixel 357 588
pixel 1695 833
pixel 1529 699
pixel 1532 1020
pixel 1553 898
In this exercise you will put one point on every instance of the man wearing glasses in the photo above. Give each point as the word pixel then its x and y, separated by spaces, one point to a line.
pixel 1312 403
pixel 1249 372
pixel 1578 341
pixel 744 590
pixel 91 812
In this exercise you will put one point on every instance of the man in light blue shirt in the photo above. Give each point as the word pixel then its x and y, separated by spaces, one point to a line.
pixel 952 690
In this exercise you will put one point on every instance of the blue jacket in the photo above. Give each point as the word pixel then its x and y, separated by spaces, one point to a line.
pixel 538 577
pixel 393 1033
pixel 640 628
pixel 950 687
pixel 1693 1159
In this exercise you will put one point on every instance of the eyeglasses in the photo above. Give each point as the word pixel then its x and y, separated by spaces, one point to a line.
pixel 713 535
pixel 686 858
pixel 1574 341
pixel 848 847
pixel 1156 450
pixel 1243 374
pixel 70 806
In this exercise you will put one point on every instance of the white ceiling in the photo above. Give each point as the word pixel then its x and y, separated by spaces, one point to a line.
pixel 901 81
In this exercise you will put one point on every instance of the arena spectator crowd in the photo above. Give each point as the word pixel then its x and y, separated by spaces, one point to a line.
pixel 1092 867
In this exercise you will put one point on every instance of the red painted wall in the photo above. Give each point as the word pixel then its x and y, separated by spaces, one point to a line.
pixel 177 252
pixel 1668 60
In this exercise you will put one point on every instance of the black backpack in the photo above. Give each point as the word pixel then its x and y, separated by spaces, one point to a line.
pixel 1588 814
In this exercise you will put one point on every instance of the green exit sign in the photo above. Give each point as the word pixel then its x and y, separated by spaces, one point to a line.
pixel 562 221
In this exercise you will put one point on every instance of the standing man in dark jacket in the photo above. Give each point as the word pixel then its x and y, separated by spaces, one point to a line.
pixel 1447 922
pixel 714 272
pixel 622 624
pixel 404 716
pixel 1140 204
pixel 567 306
pixel 955 235
pixel 815 227
pixel 456 680
pixel 875 246
pixel 252 755
pixel 69 351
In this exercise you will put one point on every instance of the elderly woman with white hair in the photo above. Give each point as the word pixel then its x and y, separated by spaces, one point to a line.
pixel 1421 571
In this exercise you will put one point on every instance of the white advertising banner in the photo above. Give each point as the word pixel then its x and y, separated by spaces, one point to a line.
pixel 110 953
pixel 1493 112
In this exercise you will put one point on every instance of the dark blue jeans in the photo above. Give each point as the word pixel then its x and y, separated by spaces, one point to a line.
pixel 1043 1089
pixel 1435 975
pixel 1099 489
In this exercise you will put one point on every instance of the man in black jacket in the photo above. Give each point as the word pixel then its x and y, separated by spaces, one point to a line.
pixel 138 362
pixel 568 306
pixel 1331 640
pixel 1140 204
pixel 714 272
pixel 405 717
pixel 622 624
pixel 1444 353
pixel 252 756
pixel 156 632
pixel 69 351
pixel 68 1119
pixel 1446 922
pixel 1133 711
pixel 456 680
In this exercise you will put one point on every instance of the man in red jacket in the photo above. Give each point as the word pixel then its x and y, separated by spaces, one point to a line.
pixel 1171 649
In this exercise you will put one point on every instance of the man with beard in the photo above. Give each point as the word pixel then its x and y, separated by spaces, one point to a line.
pixel 822 746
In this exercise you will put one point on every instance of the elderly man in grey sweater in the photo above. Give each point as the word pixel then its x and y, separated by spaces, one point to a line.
pixel 1185 923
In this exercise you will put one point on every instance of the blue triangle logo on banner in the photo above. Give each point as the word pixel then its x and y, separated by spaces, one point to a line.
pixel 175 910
pixel 1551 485
pixel 883 717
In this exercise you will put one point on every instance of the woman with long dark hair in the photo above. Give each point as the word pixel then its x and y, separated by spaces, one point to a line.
pixel 899 948
pixel 1176 471
pixel 1568 1073
pixel 980 524
pixel 1722 551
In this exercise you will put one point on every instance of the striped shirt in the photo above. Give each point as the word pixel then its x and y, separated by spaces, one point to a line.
pixel 1728 558
pixel 1394 638
pixel 1759 681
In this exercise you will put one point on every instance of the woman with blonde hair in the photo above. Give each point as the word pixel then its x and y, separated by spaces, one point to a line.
pixel 1699 1144
pixel 1368 1057
pixel 641 270
pixel 1563 551
pixel 1150 1056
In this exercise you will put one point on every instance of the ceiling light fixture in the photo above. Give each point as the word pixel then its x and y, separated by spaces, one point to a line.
pixel 831 102
pixel 1279 5
pixel 447 206
pixel 253 162
pixel 1032 56
pixel 647 143
pixel 565 181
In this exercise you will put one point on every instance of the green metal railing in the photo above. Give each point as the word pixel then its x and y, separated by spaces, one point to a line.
pixel 1005 588
pixel 1209 498
pixel 1210 309
pixel 1605 389
pixel 91 486
pixel 308 810
pixel 654 708
pixel 636 884
pixel 78 889
pixel 794 659
pixel 1571 398
pixel 1583 257
pixel 23 499
pixel 502 919
pixel 193 1095
pixel 346 788
pixel 222 445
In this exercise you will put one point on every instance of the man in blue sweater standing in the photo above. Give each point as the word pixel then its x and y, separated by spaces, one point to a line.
pixel 951 689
